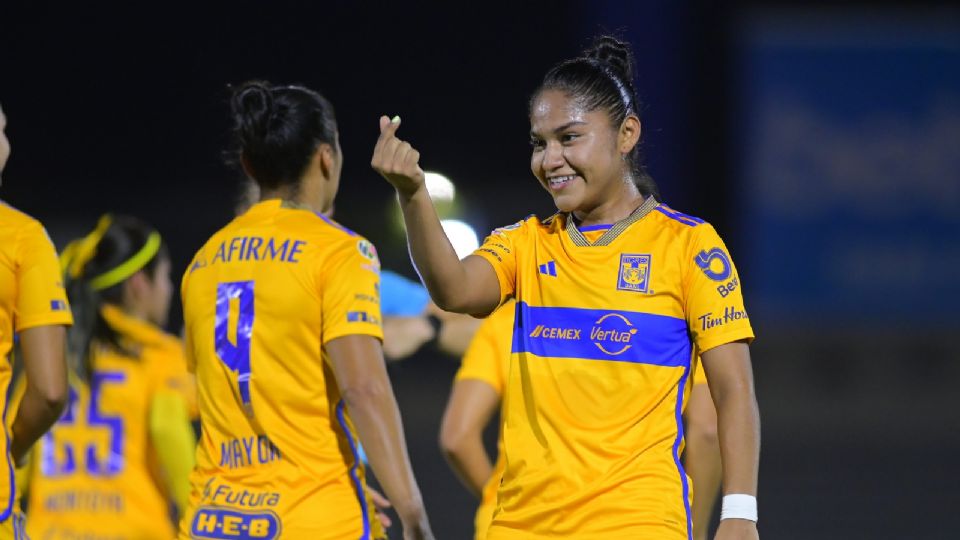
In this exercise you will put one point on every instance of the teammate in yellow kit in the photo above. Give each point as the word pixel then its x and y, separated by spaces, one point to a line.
pixel 33 303
pixel 475 398
pixel 282 319
pixel 121 453
pixel 608 330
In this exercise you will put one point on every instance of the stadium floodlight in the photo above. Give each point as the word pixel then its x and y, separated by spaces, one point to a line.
pixel 439 186
pixel 461 235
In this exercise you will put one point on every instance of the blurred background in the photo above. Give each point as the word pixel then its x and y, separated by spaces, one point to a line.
pixel 822 141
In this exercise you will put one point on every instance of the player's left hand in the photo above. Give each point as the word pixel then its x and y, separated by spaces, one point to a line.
pixel 381 503
pixel 737 529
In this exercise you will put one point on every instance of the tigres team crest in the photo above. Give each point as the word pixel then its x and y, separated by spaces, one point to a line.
pixel 634 272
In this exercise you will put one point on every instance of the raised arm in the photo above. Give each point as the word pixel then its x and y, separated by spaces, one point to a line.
pixel 467 286
pixel 361 374
pixel 46 392
pixel 730 377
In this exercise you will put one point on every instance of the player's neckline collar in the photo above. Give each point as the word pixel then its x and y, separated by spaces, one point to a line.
pixel 613 232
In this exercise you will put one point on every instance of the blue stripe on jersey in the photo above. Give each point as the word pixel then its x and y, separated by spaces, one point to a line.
pixel 361 495
pixel 600 334
pixel 679 216
pixel 589 228
pixel 13 486
pixel 676 452
pixel 333 223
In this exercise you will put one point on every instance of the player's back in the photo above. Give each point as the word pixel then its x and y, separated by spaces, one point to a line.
pixel 94 474
pixel 278 451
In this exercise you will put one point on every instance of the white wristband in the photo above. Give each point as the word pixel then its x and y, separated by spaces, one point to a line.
pixel 739 506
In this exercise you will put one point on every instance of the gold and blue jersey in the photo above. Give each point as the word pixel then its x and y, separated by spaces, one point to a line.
pixel 31 295
pixel 95 474
pixel 278 453
pixel 608 326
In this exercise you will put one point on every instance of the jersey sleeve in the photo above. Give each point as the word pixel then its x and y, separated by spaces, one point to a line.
pixel 350 291
pixel 713 294
pixel 499 250
pixel 700 375
pixel 41 299
pixel 488 354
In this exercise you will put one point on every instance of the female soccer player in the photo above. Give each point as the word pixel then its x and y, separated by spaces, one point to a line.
pixel 282 321
pixel 33 303
pixel 616 295
pixel 122 451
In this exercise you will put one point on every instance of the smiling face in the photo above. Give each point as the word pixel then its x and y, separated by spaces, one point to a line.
pixel 576 153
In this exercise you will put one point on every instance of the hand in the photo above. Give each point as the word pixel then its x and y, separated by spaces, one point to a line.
pixel 403 336
pixel 381 503
pixel 737 529
pixel 396 160
pixel 416 527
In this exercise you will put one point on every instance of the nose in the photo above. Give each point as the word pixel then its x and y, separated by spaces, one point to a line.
pixel 553 156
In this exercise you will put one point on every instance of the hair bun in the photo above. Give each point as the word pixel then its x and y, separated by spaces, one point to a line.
pixel 253 106
pixel 614 53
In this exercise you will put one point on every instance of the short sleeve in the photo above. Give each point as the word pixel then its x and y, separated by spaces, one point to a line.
pixel 499 249
pixel 350 291
pixel 401 297
pixel 41 299
pixel 713 293
pixel 700 375
pixel 488 354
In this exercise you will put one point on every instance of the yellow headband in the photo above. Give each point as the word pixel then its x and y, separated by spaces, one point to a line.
pixel 79 252
pixel 130 267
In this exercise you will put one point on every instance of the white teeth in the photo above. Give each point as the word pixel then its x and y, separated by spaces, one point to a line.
pixel 559 180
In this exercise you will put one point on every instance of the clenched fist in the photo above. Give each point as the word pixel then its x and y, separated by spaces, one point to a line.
pixel 396 160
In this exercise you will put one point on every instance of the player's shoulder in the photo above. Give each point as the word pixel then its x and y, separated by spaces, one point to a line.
pixel 532 224
pixel 164 349
pixel 682 225
pixel 19 220
pixel 677 219
pixel 18 230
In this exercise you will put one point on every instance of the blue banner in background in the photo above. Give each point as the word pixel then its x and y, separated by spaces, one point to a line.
pixel 850 141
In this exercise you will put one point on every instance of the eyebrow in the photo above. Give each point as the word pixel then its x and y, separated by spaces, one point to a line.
pixel 563 127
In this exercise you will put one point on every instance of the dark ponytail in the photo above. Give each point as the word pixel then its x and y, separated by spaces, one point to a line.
pixel 602 78
pixel 115 243
pixel 277 130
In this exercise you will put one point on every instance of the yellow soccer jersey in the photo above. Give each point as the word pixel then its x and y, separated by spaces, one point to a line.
pixel 31 294
pixel 488 359
pixel 93 474
pixel 278 454
pixel 603 344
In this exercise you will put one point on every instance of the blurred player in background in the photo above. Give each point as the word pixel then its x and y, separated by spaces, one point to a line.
pixel 121 453
pixel 475 400
pixel 34 304
pixel 282 322
pixel 617 299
